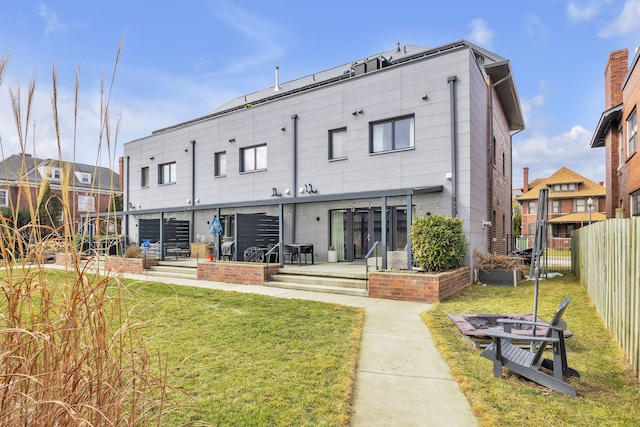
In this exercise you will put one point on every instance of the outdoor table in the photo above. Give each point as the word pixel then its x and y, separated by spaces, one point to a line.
pixel 302 248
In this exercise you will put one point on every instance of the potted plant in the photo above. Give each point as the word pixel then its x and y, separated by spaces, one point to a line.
pixel 498 270
pixel 332 255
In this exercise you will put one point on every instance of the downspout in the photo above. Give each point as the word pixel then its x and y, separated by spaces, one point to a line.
pixel 126 203
pixel 454 169
pixel 192 229
pixel 491 167
pixel 294 119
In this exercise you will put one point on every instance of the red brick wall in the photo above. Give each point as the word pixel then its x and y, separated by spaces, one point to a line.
pixel 242 273
pixel 128 265
pixel 418 287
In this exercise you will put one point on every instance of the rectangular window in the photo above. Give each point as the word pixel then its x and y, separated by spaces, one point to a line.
pixel 54 174
pixel 532 207
pixel 620 139
pixel 555 206
pixel 572 187
pixel 395 134
pixel 580 205
pixel 253 158
pixel 220 164
pixel 632 133
pixel 86 203
pixel 167 173
pixel 635 203
pixel 338 144
pixel 144 177
pixel 4 198
pixel 556 187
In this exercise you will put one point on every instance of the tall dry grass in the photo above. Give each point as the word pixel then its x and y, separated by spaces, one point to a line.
pixel 68 354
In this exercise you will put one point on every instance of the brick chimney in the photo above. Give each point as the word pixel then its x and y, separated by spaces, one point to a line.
pixel 525 180
pixel 121 173
pixel 614 73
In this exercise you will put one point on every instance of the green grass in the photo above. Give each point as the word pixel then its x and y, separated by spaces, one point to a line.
pixel 608 391
pixel 243 359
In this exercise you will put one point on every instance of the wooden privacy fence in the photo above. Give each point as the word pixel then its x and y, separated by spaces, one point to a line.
pixel 606 259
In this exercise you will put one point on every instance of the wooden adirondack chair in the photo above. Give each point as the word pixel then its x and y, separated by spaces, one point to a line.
pixel 502 352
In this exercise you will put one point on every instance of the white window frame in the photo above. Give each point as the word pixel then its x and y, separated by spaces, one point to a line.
pixel 632 132
pixel 555 206
pixel 4 198
pixel 581 205
pixel 86 203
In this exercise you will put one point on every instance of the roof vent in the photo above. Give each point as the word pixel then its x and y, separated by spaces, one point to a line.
pixel 277 86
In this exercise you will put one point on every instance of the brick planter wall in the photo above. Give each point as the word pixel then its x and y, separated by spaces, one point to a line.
pixel 416 286
pixel 128 265
pixel 242 273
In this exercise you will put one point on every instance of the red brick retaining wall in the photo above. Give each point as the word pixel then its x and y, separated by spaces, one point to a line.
pixel 418 287
pixel 128 265
pixel 242 273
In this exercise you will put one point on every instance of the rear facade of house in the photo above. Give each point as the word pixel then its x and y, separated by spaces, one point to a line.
pixel 345 157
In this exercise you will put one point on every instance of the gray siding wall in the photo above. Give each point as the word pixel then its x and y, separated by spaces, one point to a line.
pixel 384 94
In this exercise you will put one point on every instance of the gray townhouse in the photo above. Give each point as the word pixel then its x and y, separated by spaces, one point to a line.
pixel 344 157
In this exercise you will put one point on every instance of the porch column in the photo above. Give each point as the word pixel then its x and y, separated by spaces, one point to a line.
pixel 281 233
pixel 409 225
pixel 383 229
pixel 161 236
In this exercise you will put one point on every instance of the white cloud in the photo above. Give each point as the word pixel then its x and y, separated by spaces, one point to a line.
pixel 544 155
pixel 535 27
pixel 585 12
pixel 52 23
pixel 480 33
pixel 626 22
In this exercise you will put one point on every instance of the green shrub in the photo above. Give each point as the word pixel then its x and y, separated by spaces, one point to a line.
pixel 438 242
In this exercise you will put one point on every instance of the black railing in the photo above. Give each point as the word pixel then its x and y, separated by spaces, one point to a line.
pixel 557 253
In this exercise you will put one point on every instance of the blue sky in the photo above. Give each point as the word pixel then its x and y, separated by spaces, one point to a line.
pixel 180 60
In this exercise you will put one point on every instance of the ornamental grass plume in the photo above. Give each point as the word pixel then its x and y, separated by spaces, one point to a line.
pixel 68 354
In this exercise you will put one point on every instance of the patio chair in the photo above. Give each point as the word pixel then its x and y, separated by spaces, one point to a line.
pixel 291 253
pixel 502 352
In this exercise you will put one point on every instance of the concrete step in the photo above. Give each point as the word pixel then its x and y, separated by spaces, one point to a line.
pixel 173 271
pixel 318 288
pixel 319 280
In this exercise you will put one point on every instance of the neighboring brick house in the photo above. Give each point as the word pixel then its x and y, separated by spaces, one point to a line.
pixel 91 188
pixel 617 132
pixel 573 201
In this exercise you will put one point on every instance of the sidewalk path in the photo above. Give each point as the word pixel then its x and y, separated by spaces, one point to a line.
pixel 401 378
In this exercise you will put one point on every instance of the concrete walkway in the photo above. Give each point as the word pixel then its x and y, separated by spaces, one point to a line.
pixel 401 378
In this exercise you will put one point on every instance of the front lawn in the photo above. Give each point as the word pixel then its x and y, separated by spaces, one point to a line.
pixel 250 360
pixel 608 391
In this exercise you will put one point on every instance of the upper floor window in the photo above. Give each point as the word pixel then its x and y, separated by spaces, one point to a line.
pixel 532 207
pixel 253 158
pixel 632 133
pixel 53 174
pixel 580 205
pixel 389 135
pixel 144 177
pixel 338 143
pixel 167 173
pixel 4 198
pixel 86 203
pixel 555 206
pixel 220 164
pixel 564 187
